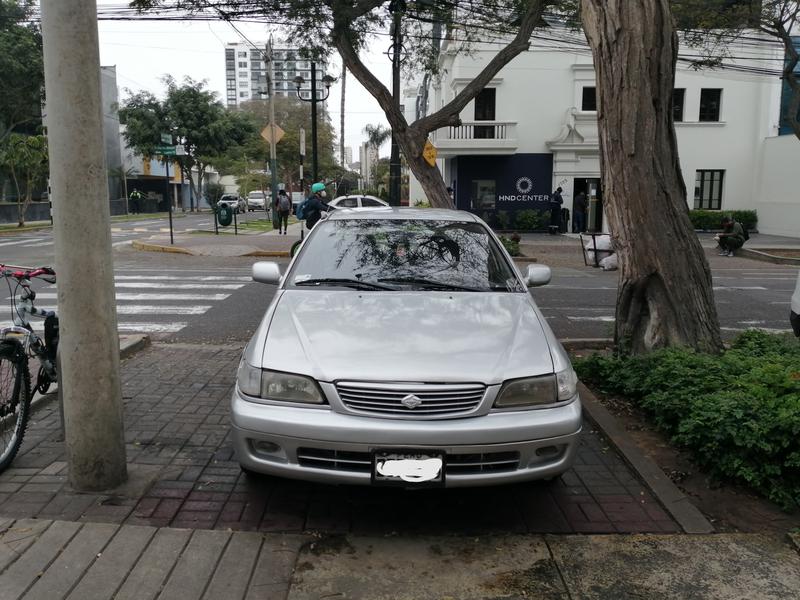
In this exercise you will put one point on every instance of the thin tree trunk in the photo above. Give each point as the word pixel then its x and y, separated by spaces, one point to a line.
pixel 341 120
pixel 665 295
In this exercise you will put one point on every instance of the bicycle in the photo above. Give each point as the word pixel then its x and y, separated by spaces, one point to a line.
pixel 18 344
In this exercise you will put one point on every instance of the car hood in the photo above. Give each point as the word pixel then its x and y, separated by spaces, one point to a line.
pixel 406 336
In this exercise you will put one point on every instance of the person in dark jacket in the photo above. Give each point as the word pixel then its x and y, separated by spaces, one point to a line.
pixel 315 205
pixel 555 210
pixel 731 238
pixel 579 213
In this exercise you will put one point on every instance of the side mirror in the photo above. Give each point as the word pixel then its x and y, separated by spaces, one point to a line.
pixel 537 275
pixel 267 272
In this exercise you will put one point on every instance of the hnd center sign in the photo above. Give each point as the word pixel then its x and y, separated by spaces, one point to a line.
pixel 524 193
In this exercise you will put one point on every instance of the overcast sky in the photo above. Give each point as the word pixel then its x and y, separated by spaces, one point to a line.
pixel 143 52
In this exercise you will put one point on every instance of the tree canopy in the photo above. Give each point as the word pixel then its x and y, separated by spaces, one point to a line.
pixel 193 116
pixel 21 68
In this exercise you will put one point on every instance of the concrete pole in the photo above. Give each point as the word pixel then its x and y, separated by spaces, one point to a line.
pixel 89 342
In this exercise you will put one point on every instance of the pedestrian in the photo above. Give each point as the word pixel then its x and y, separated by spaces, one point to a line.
pixel 732 237
pixel 555 211
pixel 794 315
pixel 579 207
pixel 283 206
pixel 136 197
pixel 314 205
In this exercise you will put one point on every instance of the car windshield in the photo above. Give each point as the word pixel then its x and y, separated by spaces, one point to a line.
pixel 403 254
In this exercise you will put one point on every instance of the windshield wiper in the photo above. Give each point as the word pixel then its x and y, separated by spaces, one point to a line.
pixel 430 283
pixel 345 282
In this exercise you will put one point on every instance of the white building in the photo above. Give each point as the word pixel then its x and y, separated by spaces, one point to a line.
pixel 246 72
pixel 348 155
pixel 368 157
pixel 534 128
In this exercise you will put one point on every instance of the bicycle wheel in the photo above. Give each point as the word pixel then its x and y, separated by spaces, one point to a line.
pixel 15 405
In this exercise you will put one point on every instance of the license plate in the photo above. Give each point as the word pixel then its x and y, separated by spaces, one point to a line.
pixel 408 468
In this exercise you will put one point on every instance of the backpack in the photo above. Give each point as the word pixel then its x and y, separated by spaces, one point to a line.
pixel 284 203
pixel 301 210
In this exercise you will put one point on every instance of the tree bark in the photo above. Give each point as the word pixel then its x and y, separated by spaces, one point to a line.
pixel 665 295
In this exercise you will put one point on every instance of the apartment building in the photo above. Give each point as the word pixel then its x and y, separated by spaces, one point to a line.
pixel 246 72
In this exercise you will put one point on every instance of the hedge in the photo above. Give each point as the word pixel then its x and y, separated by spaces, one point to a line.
pixel 738 413
pixel 709 220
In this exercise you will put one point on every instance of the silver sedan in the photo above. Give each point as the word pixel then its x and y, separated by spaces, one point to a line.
pixel 402 348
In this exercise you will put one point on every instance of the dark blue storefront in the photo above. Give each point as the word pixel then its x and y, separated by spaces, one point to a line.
pixel 498 188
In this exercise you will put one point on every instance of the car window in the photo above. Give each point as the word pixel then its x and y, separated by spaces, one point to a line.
pixel 417 252
pixel 370 202
pixel 347 203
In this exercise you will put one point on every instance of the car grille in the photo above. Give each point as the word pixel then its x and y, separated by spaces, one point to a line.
pixel 411 400
pixel 361 462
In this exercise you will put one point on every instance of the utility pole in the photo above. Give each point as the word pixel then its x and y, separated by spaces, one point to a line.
pixel 314 158
pixel 273 163
pixel 89 342
pixel 396 7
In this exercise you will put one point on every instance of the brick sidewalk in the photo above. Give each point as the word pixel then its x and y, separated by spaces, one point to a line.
pixel 176 418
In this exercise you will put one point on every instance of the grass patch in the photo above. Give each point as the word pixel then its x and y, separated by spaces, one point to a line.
pixel 738 413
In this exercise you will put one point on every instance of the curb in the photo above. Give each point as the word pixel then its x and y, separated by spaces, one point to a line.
pixel 525 259
pixel 766 257
pixel 25 229
pixel 144 246
pixel 131 344
pixel 686 514
pixel 587 343
pixel 269 253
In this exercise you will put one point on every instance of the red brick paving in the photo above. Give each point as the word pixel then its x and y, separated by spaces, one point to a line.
pixel 176 403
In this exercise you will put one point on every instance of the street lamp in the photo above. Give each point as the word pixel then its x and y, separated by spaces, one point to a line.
pixel 298 83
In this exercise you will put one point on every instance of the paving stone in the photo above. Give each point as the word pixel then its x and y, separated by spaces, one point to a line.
pixel 196 566
pixel 147 576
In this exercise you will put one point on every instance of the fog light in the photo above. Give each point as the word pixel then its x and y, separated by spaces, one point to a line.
pixel 263 447
pixel 548 451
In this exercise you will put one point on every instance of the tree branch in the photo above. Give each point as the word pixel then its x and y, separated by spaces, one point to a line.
pixel 520 43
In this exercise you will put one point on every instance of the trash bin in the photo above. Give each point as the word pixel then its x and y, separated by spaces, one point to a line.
pixel 224 215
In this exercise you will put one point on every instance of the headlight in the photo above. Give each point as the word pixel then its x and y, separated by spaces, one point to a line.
pixel 538 391
pixel 273 385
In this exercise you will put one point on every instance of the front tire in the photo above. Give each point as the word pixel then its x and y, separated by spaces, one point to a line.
pixel 15 400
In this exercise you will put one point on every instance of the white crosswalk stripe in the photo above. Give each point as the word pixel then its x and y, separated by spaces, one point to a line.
pixel 150 301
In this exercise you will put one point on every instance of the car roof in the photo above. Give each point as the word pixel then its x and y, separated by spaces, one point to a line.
pixel 405 213
pixel 358 196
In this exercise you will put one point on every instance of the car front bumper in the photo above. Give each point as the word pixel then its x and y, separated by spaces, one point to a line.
pixel 319 444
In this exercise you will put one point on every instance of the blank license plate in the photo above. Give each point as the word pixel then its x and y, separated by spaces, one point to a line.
pixel 408 468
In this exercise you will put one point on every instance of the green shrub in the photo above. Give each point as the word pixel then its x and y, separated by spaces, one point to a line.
pixel 511 245
pixel 503 219
pixel 422 204
pixel 738 413
pixel 529 220
pixel 709 220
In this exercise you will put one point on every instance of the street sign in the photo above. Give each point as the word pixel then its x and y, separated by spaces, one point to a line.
pixel 429 153
pixel 302 144
pixel 266 133
pixel 166 150
pixel 166 139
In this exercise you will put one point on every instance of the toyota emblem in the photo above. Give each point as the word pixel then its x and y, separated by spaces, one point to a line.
pixel 411 401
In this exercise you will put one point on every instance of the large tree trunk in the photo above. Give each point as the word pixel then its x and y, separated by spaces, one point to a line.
pixel 665 295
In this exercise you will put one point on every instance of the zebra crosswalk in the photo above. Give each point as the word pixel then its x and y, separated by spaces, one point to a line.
pixel 151 301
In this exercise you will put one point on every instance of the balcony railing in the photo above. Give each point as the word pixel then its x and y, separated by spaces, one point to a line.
pixel 477 137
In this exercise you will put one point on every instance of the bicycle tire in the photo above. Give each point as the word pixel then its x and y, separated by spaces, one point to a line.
pixel 15 400
pixel 295 246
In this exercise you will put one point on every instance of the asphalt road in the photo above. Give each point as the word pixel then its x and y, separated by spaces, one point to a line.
pixel 213 300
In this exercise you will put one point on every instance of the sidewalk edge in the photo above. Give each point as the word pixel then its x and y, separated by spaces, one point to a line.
pixel 767 257
pixel 147 247
pixel 269 253
pixel 686 514
pixel 132 344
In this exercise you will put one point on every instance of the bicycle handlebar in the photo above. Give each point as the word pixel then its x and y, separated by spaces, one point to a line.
pixel 21 273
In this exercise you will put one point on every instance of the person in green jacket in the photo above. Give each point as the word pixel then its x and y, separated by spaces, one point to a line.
pixel 731 238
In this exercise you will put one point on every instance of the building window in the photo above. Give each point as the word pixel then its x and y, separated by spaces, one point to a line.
pixel 242 94
pixel 242 54
pixel 243 74
pixel 242 64
pixel 242 84
pixel 708 189
pixel 710 101
pixel 678 97
pixel 483 194
pixel 589 99
pixel 485 103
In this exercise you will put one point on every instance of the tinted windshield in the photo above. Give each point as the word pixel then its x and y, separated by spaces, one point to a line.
pixel 417 254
